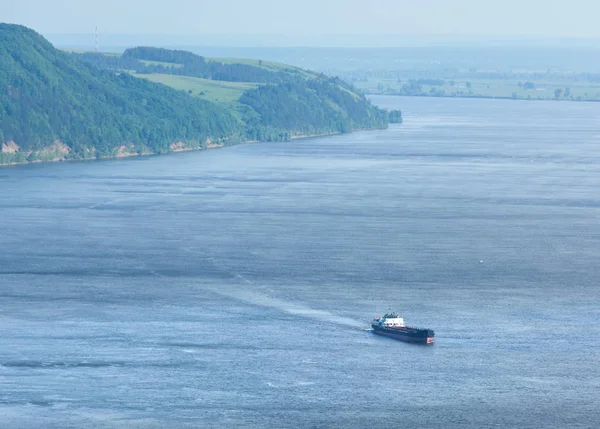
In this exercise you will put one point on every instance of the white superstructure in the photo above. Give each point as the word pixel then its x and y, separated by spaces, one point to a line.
pixel 390 320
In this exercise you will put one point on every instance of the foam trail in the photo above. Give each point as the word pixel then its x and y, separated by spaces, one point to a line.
pixel 285 306
pixel 289 307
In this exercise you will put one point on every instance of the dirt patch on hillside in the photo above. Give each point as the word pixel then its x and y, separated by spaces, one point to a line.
pixel 10 147
pixel 125 151
pixel 58 148
pixel 178 147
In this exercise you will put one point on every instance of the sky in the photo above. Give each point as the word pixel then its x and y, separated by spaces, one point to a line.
pixel 311 19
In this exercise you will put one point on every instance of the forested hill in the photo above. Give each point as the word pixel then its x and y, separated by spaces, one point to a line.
pixel 55 105
pixel 281 102
pixel 147 60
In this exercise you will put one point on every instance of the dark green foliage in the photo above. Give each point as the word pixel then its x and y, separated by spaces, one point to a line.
pixel 185 64
pixel 110 62
pixel 411 88
pixel 45 96
pixel 306 107
pixel 395 117
pixel 293 104
pixel 557 93
pixel 163 55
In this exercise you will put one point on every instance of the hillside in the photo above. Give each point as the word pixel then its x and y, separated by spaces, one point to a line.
pixel 149 60
pixel 274 101
pixel 55 105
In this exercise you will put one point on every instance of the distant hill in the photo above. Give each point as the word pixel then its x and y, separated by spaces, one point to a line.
pixel 149 60
pixel 55 105
pixel 275 101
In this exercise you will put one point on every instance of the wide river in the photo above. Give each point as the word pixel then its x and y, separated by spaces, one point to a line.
pixel 235 287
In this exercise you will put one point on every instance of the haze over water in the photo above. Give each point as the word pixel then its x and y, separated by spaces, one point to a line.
pixel 235 286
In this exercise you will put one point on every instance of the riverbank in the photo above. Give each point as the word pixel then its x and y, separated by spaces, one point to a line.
pixel 483 97
pixel 176 148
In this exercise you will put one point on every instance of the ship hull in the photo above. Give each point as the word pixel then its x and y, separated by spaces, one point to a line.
pixel 415 336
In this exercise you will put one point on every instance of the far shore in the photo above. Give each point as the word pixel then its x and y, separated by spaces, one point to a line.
pixel 483 97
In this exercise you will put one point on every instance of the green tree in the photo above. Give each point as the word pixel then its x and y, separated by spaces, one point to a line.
pixel 395 117
pixel 557 93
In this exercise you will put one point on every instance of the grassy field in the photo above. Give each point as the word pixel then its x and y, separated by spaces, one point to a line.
pixel 543 90
pixel 87 51
pixel 211 90
pixel 161 63
pixel 267 65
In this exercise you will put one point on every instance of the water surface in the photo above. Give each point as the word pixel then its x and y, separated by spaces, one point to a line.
pixel 234 286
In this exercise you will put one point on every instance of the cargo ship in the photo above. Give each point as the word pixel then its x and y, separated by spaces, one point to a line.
pixel 392 325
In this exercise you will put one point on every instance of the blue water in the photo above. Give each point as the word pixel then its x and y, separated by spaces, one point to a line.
pixel 235 286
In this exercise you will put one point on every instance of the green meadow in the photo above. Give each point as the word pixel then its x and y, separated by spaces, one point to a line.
pixel 545 89
pixel 162 63
pixel 267 65
pixel 211 90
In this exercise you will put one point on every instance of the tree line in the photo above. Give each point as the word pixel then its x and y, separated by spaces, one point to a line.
pixel 298 106
pixel 148 60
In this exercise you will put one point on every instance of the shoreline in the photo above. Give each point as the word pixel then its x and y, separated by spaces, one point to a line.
pixel 311 136
pixel 482 97
pixel 178 150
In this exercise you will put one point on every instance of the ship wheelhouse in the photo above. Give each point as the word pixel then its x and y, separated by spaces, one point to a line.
pixel 392 320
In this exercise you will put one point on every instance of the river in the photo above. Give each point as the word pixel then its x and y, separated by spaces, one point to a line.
pixel 236 286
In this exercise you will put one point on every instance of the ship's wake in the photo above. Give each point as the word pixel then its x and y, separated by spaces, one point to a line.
pixel 255 298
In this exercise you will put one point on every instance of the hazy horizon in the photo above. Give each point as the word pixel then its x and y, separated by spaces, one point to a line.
pixel 316 41
pixel 312 23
